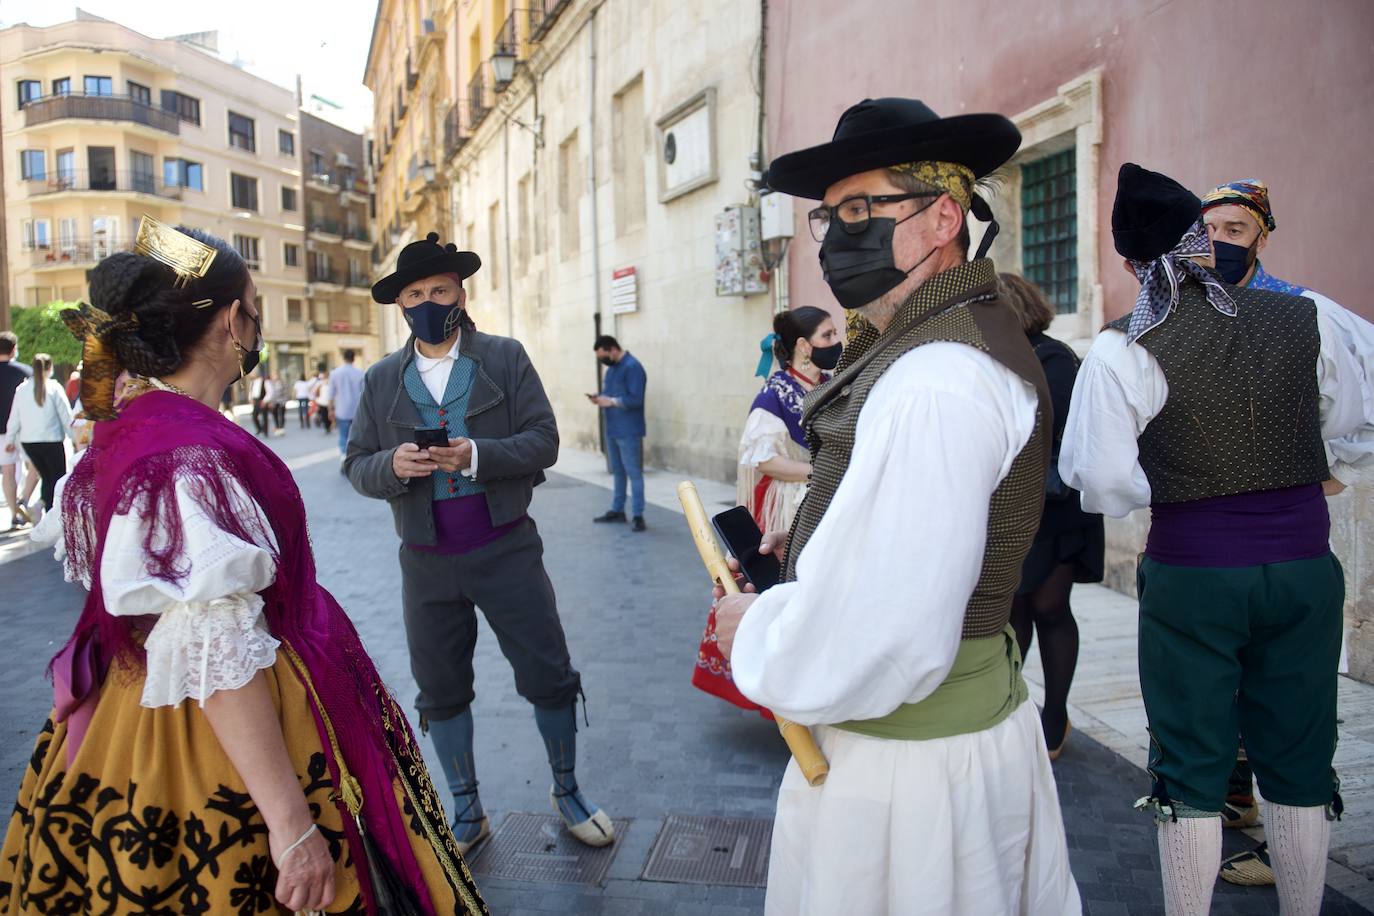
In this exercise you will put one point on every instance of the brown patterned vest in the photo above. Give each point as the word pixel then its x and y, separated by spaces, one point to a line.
pixel 960 306
pixel 1242 413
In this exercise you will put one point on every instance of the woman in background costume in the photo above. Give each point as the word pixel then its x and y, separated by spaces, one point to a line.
pixel 220 741
pixel 774 462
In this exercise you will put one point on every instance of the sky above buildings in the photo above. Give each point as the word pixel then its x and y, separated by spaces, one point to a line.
pixel 325 43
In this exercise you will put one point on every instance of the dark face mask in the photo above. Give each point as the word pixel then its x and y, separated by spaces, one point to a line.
pixel 827 358
pixel 606 361
pixel 861 267
pixel 249 360
pixel 1233 261
pixel 431 322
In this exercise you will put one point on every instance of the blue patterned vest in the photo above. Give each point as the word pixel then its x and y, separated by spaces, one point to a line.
pixel 452 415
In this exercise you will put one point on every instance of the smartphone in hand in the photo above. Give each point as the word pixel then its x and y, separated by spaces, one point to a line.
pixel 431 437
pixel 742 537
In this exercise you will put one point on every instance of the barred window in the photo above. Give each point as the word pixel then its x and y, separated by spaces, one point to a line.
pixel 1049 228
pixel 247 246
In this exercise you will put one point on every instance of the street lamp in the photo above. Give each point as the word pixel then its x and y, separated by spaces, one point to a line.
pixel 427 170
pixel 503 67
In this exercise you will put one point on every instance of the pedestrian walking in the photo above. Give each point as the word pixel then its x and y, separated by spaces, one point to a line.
pixel 324 401
pixel 346 387
pixel 276 403
pixel 301 391
pixel 891 630
pixel 460 498
pixel 1070 544
pixel 41 421
pixel 1240 596
pixel 280 767
pixel 258 397
pixel 13 373
pixel 622 400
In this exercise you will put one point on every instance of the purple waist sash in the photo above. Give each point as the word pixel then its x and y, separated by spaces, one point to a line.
pixel 463 524
pixel 77 674
pixel 1248 529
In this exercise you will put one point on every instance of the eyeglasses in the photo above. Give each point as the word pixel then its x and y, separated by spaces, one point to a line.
pixel 855 212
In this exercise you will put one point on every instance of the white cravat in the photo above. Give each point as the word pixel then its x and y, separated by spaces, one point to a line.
pixel 435 372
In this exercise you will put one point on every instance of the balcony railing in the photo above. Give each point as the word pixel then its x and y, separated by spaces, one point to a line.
pixel 326 227
pixel 454 135
pixel 542 14
pixel 507 41
pixel 99 108
pixel 357 234
pixel 324 275
pixel 100 180
pixel 359 280
pixel 80 253
pixel 478 106
pixel 325 179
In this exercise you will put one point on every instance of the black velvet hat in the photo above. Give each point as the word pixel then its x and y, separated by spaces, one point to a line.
pixel 877 133
pixel 424 258
pixel 1151 213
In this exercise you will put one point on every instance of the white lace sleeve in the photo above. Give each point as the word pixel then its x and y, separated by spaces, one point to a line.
pixel 210 634
pixel 765 436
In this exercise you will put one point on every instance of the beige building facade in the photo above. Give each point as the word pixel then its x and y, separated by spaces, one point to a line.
pixel 103 125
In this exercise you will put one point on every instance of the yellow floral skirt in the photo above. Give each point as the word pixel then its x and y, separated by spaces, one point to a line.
pixel 152 817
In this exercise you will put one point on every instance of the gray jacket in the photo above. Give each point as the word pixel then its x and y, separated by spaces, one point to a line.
pixel 509 420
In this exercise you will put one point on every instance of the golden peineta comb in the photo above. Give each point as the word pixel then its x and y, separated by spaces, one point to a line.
pixel 189 258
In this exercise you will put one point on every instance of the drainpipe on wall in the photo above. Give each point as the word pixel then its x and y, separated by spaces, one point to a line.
pixel 591 184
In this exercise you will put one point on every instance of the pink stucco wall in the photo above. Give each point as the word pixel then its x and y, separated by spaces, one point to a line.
pixel 1203 90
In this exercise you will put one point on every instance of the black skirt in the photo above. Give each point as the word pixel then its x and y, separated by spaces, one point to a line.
pixel 1085 546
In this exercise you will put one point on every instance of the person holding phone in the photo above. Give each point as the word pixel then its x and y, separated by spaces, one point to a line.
pixel 622 398
pixel 454 430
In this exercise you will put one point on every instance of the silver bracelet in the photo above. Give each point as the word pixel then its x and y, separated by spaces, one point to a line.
pixel 292 848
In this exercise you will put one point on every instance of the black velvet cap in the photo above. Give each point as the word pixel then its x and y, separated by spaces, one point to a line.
pixel 1151 213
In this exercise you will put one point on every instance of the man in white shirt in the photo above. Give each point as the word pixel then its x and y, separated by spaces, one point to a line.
pixel 1211 404
pixel 301 391
pixel 346 383
pixel 891 632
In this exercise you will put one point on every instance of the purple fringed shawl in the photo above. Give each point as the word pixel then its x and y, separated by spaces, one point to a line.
pixel 782 396
pixel 136 460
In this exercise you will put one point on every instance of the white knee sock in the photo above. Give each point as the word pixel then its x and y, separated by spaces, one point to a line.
pixel 1189 856
pixel 1298 840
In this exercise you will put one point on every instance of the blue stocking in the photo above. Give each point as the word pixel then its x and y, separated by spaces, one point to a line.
pixel 558 728
pixel 453 740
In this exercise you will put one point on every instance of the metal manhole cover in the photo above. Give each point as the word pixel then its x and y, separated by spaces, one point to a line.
pixel 711 850
pixel 536 847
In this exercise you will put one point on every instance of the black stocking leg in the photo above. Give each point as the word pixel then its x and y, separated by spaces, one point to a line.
pixel 1058 633
pixel 1023 622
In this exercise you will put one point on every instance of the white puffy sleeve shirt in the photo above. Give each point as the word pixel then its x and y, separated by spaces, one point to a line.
pixel 210 634
pixel 1120 388
pixel 875 616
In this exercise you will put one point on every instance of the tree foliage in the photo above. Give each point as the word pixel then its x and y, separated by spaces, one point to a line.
pixel 40 329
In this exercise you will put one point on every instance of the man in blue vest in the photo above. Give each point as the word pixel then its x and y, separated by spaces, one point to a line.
pixel 461 512
pixel 622 398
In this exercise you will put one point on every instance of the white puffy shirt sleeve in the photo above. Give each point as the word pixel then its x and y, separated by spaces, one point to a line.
pixel 1120 388
pixel 765 436
pixel 1345 377
pixel 210 634
pixel 875 617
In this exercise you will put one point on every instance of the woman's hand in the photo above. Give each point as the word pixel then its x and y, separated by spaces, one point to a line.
pixel 305 877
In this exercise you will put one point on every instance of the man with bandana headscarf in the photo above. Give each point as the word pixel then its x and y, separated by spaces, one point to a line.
pixel 1211 404
pixel 890 633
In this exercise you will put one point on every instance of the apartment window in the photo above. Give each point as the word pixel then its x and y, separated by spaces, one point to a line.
pixel 243 192
pixel 294 311
pixel 62 86
pixel 37 233
pixel 247 247
pixel 33 164
pixel 628 147
pixel 288 199
pixel 569 198
pixel 286 142
pixel 316 163
pixel 66 235
pixel 470 234
pixel 99 85
pixel 29 91
pixel 140 94
pixel 291 254
pixel 522 217
pixel 186 107
pixel 66 167
pixel 493 229
pixel 242 132
pixel 182 173
pixel 142 169
pixel 1049 228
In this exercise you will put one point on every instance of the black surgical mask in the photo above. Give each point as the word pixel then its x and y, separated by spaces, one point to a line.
pixel 1233 261
pixel 827 358
pixel 249 360
pixel 431 322
pixel 861 267
pixel 606 361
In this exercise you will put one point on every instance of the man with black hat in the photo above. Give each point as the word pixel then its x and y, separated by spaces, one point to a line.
pixel 460 509
pixel 1211 404
pixel 890 633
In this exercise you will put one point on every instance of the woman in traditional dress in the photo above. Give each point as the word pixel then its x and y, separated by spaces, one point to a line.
pixel 773 459
pixel 220 740
pixel 1070 544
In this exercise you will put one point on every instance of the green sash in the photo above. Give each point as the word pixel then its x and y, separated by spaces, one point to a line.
pixel 982 689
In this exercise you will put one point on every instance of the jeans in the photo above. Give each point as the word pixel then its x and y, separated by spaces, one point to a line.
pixel 344 427
pixel 627 461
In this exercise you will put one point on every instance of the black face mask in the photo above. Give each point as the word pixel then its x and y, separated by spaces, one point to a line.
pixel 827 358
pixel 606 361
pixel 249 360
pixel 861 267
pixel 1233 261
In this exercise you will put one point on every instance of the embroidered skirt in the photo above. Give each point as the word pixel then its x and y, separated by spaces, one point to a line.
pixel 152 817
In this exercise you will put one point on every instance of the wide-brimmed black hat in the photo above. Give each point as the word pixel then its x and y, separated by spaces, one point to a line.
pixel 425 258
pixel 877 133
pixel 1151 213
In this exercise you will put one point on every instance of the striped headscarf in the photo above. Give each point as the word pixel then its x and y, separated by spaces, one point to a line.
pixel 1250 193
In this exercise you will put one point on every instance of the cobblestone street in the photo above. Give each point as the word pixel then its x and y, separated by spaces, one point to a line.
pixel 633 606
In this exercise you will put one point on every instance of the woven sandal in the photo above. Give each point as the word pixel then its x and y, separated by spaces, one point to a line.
pixel 1249 869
